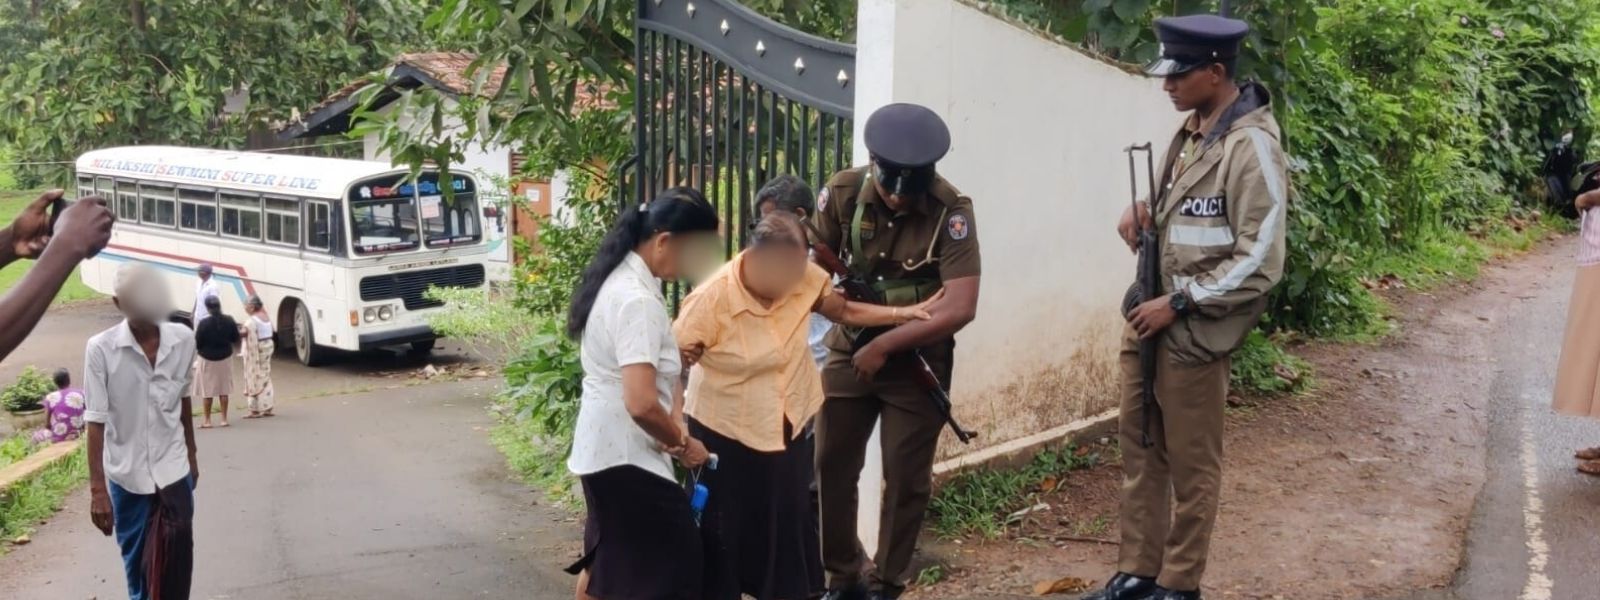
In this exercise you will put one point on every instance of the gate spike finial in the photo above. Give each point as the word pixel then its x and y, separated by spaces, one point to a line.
pixel 691 10
pixel 761 48
pixel 725 27
pixel 844 78
pixel 799 65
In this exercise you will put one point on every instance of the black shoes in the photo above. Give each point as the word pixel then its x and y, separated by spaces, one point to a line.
pixel 1162 593
pixel 1128 587
pixel 849 592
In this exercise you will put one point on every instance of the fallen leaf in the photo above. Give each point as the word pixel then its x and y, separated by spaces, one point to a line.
pixel 1065 585
pixel 22 540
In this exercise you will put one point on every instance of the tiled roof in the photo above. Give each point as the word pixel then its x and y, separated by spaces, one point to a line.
pixel 450 73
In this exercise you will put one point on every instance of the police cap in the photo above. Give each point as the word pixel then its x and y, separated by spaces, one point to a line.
pixel 905 141
pixel 1194 41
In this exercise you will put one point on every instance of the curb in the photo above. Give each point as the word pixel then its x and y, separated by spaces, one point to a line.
pixel 36 462
pixel 1018 451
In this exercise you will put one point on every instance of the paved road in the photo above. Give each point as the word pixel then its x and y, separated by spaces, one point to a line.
pixel 1536 526
pixel 383 493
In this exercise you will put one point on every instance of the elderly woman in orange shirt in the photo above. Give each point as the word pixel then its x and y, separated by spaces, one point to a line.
pixel 752 392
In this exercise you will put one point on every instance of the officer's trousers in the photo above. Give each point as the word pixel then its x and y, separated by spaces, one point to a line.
pixel 911 428
pixel 1170 490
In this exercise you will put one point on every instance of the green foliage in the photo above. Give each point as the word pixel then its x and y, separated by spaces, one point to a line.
pixel 540 407
pixel 1262 366
pixel 931 575
pixel 27 391
pixel 93 73
pixel 978 502
pixel 1408 124
pixel 488 321
pixel 31 501
pixel 16 448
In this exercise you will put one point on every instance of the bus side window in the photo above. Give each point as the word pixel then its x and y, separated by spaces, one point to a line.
pixel 318 234
pixel 127 199
pixel 241 216
pixel 197 210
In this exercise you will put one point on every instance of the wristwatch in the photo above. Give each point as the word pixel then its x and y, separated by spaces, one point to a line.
pixel 1182 304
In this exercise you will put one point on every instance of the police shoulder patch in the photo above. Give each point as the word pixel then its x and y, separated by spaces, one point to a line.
pixel 958 227
pixel 1203 206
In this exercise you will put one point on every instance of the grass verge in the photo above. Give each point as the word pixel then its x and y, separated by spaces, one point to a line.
pixel 31 501
pixel 16 448
pixel 11 203
pixel 538 465
pixel 980 502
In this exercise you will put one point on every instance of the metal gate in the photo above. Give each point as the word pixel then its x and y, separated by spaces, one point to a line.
pixel 726 99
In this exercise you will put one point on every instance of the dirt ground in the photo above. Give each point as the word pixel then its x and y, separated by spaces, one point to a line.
pixel 1362 488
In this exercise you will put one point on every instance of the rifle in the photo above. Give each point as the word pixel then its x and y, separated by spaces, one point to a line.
pixel 1147 285
pixel 857 289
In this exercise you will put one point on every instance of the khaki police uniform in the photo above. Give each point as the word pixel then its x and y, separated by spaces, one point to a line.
pixel 1220 218
pixel 906 255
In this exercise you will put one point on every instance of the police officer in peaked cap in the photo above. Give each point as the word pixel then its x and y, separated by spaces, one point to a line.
pixel 1219 215
pixel 910 233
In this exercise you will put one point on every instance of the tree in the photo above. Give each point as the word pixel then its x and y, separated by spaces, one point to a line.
pixel 90 73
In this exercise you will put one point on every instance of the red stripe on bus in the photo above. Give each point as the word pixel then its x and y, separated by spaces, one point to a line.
pixel 243 275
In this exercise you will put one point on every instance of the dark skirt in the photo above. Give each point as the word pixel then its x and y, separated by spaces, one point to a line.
pixel 639 539
pixel 759 527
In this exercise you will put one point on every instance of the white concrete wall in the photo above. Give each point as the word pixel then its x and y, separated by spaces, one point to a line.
pixel 1038 131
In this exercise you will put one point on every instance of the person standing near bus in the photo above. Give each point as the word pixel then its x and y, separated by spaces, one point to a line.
pixel 142 456
pixel 216 340
pixel 640 539
pixel 206 288
pixel 259 347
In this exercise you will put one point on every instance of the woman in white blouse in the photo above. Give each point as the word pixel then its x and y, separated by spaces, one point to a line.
pixel 258 349
pixel 640 538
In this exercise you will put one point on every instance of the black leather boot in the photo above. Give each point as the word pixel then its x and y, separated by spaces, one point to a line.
pixel 849 592
pixel 1162 593
pixel 1125 587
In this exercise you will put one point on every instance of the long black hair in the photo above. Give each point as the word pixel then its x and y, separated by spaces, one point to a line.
pixel 674 210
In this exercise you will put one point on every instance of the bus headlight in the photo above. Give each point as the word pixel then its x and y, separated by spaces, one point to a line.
pixel 386 313
pixel 369 315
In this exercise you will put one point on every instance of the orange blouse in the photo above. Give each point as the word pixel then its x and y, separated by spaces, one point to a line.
pixel 756 371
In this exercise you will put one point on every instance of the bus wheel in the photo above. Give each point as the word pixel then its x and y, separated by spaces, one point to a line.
pixel 423 347
pixel 305 345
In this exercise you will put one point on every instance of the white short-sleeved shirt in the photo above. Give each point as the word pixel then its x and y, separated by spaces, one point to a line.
pixel 628 325
pixel 141 406
pixel 202 290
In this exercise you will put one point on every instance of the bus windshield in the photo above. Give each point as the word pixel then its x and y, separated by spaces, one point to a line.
pixel 392 214
pixel 385 225
pixel 451 223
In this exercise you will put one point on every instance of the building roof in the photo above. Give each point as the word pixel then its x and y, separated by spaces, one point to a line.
pixel 448 72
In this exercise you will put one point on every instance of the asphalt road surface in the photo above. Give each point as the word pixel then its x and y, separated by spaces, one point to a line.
pixel 361 488
pixel 1536 529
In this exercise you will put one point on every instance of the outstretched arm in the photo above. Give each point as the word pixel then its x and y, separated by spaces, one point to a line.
pixel 863 314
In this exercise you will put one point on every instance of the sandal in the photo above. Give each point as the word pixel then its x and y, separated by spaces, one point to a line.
pixel 1590 467
pixel 1588 454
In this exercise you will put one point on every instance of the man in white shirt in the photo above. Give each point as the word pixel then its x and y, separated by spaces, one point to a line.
pixel 205 289
pixel 142 468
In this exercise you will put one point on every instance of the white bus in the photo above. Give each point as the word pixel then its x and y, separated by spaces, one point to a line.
pixel 340 251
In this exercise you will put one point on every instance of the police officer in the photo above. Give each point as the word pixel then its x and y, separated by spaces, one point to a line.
pixel 910 233
pixel 1219 214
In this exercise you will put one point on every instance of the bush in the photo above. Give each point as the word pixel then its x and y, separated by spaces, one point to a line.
pixel 29 390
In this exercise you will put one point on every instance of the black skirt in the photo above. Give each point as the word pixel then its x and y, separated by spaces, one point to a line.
pixel 639 540
pixel 759 528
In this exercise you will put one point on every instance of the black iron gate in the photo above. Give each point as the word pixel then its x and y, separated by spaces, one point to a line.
pixel 726 99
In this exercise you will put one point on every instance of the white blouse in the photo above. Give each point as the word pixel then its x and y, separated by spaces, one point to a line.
pixel 629 325
pixel 262 328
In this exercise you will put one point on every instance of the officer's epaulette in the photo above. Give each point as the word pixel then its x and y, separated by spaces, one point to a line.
pixel 946 193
